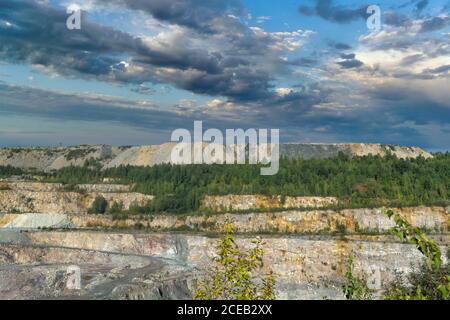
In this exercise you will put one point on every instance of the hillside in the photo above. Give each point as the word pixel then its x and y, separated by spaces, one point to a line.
pixel 47 159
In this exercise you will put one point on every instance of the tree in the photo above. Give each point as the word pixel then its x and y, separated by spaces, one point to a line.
pixel 236 274
pixel 99 205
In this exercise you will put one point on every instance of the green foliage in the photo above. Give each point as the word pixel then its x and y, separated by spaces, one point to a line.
pixel 421 284
pixel 432 280
pixel 236 274
pixel 116 208
pixel 341 229
pixel 99 205
pixel 368 181
pixel 7 171
pixel 355 288
pixel 415 235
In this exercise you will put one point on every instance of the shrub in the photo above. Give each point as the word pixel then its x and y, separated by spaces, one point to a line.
pixel 236 274
pixel 421 284
pixel 116 208
pixel 355 288
pixel 99 205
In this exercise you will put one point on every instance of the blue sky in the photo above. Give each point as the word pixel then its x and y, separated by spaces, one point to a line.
pixel 139 69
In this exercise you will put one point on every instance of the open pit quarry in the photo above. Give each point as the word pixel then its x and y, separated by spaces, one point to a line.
pixel 44 231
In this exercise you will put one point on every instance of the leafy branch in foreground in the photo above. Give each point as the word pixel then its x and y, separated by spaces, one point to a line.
pixel 236 274
pixel 433 280
pixel 430 282
pixel 415 235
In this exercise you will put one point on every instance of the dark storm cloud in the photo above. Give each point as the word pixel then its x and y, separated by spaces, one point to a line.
pixel 395 19
pixel 197 14
pixel 350 64
pixel 404 105
pixel 339 46
pixel 435 23
pixel 439 70
pixel 327 10
pixel 348 56
pixel 426 24
pixel 388 114
pixel 349 61
pixel 297 114
pixel 241 69
pixel 38 36
pixel 305 62
pixel 21 100
pixel 412 59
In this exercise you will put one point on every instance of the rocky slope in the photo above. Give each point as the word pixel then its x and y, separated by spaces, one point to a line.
pixel 348 221
pixel 45 232
pixel 64 202
pixel 163 265
pixel 39 197
pixel 47 159
pixel 255 202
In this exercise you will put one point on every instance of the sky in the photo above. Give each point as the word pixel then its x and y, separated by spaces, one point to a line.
pixel 138 69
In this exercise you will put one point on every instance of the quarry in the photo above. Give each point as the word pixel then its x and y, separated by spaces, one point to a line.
pixel 46 228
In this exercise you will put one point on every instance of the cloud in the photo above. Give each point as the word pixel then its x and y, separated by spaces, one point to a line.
pixel 39 37
pixel 439 70
pixel 262 19
pixel 196 14
pixel 435 23
pixel 349 61
pixel 394 18
pixel 348 56
pixel 334 13
pixel 91 107
pixel 419 25
pixel 339 45
pixel 392 87
pixel 234 61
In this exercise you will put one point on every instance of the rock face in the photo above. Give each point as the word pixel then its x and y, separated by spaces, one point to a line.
pixel 349 221
pixel 22 201
pixel 157 280
pixel 254 202
pixel 47 187
pixel 318 150
pixel 35 221
pixel 104 187
pixel 133 265
pixel 47 159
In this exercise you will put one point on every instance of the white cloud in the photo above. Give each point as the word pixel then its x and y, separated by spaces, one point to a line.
pixel 283 91
pixel 283 41
pixel 220 104
pixel 262 19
